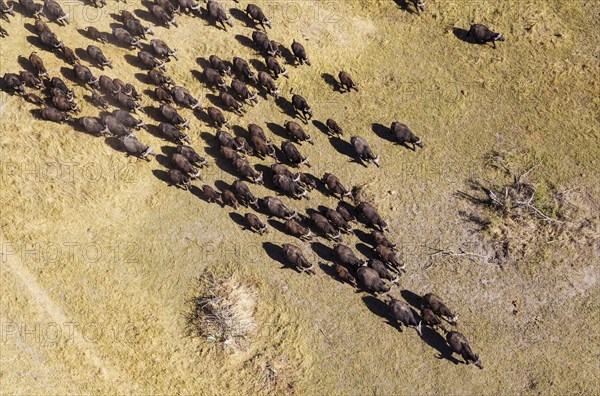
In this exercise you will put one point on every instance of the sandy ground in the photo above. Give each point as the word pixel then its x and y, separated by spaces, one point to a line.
pixel 100 255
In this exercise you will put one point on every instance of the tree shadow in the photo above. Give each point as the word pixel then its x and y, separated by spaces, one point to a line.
pixel 379 308
pixel 438 342
pixel 463 35
pixel 413 299
pixel 331 81
pixel 245 41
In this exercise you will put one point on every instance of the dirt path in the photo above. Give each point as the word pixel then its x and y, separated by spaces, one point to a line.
pixel 111 374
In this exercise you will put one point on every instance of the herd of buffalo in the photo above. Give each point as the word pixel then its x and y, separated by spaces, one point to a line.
pixel 58 103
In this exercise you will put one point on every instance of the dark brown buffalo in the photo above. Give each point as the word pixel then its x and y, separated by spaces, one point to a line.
pixel 267 82
pixel 136 148
pixel 172 133
pixel 135 28
pixel 228 198
pixel 99 100
pixel 289 187
pixel 213 78
pixel 217 118
pixel 171 115
pixel 63 104
pixel 180 162
pixel 293 155
pixel 40 27
pixel 346 82
pixel 333 128
pixel 217 12
pixel 363 150
pixel 115 126
pixel 246 197
pixel 31 79
pixel 14 82
pixel 125 38
pixel 346 256
pixel 157 78
pixel 50 40
pixel 344 274
pixel 162 95
pixel 243 144
pixel 337 220
pixel 97 55
pixel 38 64
pixel 257 15
pixel 274 207
pixel 403 315
pixel 294 228
pixel 388 256
pixel 93 125
pixel 262 42
pixel 107 85
pixel 296 132
pixel 162 50
pixel 242 69
pixel 56 82
pixel 379 238
pixel 301 107
pixel 369 213
pixel 34 99
pixel 128 120
pixel 169 6
pixel 244 169
pixel 300 53
pixel 404 135
pixel 459 344
pixel 242 91
pixel 163 17
pixel 70 55
pixel 481 34
pixel 294 255
pixel 274 66
pixel 32 9
pixel 262 148
pixel 179 179
pixel 210 194
pixel 192 156
pixel 226 140
pixel 429 318
pixel 149 61
pixel 345 213
pixel 255 224
pixel 436 304
pixel 321 223
pixel 335 187
pixel 229 103
pixel 382 270
pixel 219 65
pixel 54 10
pixel 95 34
pixel 369 280
pixel 183 97
pixel 55 115
pixel 84 74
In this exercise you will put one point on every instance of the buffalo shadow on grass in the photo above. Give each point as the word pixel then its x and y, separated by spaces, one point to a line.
pixel 463 35
pixel 241 16
pixel 438 342
pixel 275 252
pixel 331 81
pixel 345 148
pixel 239 220
pixel 245 41
pixel 278 130
pixel 379 308
pixel 323 251
pixel 412 298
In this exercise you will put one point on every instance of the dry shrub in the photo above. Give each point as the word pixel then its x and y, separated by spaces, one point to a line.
pixel 275 375
pixel 223 312
pixel 518 218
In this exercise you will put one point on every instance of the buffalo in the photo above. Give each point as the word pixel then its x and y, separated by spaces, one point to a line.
pixel 274 66
pixel 242 91
pixel 14 83
pixel 346 256
pixel 369 213
pixel 84 74
pixel 429 318
pixel 135 28
pixel 382 270
pixel 370 280
pixel 219 65
pixel 128 120
pixel 157 78
pixel 179 179
pixel 162 16
pixel 99 100
pixel 229 103
pixel 38 64
pixel 124 37
pixel 136 148
pixel 481 34
pixel 63 104
pixel 289 187
pixel 344 274
pixel 274 207
pixel 296 132
pixel 50 40
pixel 162 95
pixel 346 81
pixel 183 97
pixel 293 155
pixel 404 135
pixel 267 82
pixel 69 55
pixel 337 220
pixel 388 256
pixel 54 9
pixel 180 162
pixel 242 69
pixel 172 133
pixel 333 128
pixel 335 187
pixel 217 117
pixel 95 34
pixel 149 61
pixel 192 156
pixel 379 239
pixel 256 14
pixel 255 224
pixel 321 223
pixel 34 99
pixel 228 198
pixel 217 12
pixel 345 213
pixel 363 150
pixel 162 50
pixel 404 315
pixel 262 42
pixel 294 255
pixel 96 54
pixel 55 115
pixel 115 126
pixel 439 308
pixel 171 115
pixel 459 344
pixel 93 125
pixel 294 228
pixel 213 78
pixel 210 194
pixel 31 8
pixel 243 192
pixel 301 107
pixel 300 53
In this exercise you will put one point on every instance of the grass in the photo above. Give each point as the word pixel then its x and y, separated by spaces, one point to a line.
pixel 537 93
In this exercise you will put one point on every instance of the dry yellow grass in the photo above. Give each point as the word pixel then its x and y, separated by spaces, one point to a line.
pixel 94 241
